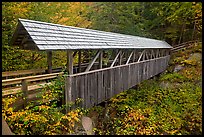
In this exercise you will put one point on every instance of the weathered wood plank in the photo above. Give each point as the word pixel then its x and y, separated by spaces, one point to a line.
pixel 67 91
pixel 85 90
pixel 103 84
pixel 100 86
pixel 22 72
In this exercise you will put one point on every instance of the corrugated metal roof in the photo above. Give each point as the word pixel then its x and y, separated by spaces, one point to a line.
pixel 47 36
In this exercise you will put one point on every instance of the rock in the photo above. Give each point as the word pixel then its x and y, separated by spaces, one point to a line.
pixel 178 68
pixel 165 85
pixel 5 128
pixel 195 57
pixel 94 117
pixel 79 130
pixel 88 125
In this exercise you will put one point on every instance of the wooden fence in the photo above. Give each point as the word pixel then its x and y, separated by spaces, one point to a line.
pixel 28 89
pixel 99 85
pixel 183 45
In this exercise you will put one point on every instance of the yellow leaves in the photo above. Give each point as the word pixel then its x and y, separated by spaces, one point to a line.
pixel 63 20
pixel 71 14
pixel 44 107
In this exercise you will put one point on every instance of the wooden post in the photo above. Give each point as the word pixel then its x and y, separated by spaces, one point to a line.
pixel 24 89
pixel 49 61
pixel 69 62
pixel 79 60
pixel 101 60
pixel 68 92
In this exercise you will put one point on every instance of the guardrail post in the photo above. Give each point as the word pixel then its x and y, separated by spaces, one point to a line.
pixel 25 92
pixel 68 93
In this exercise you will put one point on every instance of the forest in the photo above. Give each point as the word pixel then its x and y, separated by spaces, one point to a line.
pixel 174 22
pixel 167 104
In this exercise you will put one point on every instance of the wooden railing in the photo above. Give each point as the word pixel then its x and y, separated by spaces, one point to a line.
pixel 183 45
pixel 20 73
pixel 29 91
pixel 99 85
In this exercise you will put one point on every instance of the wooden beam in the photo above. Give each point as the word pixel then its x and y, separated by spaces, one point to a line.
pixel 119 52
pixel 49 61
pixel 121 58
pixel 70 62
pixel 157 53
pixel 147 54
pixel 140 55
pixel 143 57
pixel 129 57
pixel 92 62
pixel 134 56
pixel 79 60
pixel 74 54
pixel 152 53
pixel 101 60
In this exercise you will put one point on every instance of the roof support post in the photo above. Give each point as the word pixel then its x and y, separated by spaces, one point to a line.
pixel 121 57
pixel 140 56
pixel 79 61
pixel 74 54
pixel 157 53
pixel 164 51
pixel 152 53
pixel 101 60
pixel 143 57
pixel 126 55
pixel 129 57
pixel 134 55
pixel 92 62
pixel 49 61
pixel 146 54
pixel 119 52
pixel 70 62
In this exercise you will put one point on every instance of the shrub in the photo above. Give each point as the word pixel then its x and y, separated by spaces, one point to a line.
pixel 173 77
pixel 44 119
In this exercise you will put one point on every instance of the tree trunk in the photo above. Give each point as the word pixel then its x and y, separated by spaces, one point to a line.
pixel 193 31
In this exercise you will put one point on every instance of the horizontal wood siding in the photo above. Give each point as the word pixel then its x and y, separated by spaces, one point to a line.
pixel 99 85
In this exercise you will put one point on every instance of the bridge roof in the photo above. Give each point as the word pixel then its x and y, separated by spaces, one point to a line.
pixel 36 35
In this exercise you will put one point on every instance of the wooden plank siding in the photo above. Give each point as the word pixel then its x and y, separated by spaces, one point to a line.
pixel 99 85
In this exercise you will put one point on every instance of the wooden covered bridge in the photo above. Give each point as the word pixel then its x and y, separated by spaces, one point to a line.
pixel 133 59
